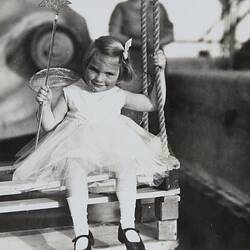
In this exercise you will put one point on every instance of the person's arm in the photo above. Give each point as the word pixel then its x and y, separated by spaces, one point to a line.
pixel 115 24
pixel 140 102
pixel 51 118
pixel 166 27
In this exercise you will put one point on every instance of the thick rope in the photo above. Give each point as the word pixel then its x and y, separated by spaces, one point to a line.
pixel 144 58
pixel 160 102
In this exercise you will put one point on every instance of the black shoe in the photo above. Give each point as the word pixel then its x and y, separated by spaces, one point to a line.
pixel 89 237
pixel 129 244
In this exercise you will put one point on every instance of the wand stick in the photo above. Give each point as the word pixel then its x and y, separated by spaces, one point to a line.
pixel 55 5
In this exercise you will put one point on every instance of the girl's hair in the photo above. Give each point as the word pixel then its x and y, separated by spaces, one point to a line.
pixel 111 46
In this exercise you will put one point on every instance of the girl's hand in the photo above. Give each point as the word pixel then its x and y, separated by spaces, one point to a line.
pixel 44 96
pixel 160 59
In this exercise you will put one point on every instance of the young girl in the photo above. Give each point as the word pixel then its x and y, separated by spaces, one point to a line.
pixel 88 133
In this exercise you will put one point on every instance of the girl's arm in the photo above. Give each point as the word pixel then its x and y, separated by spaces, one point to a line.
pixel 51 117
pixel 140 102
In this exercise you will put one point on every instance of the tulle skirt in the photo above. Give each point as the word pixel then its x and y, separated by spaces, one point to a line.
pixel 113 146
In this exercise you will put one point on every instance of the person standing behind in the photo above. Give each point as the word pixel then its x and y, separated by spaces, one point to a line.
pixel 125 23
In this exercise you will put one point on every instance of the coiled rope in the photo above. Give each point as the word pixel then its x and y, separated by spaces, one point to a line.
pixel 144 58
pixel 157 80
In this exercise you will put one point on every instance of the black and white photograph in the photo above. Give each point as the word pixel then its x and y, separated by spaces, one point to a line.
pixel 124 124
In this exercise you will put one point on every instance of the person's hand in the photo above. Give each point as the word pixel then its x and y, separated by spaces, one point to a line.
pixel 44 96
pixel 160 59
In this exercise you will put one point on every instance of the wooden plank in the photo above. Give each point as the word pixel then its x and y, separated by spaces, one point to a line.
pixel 159 245
pixel 99 177
pixel 167 230
pixel 168 209
pixel 107 186
pixel 14 187
pixel 145 211
pixel 46 203
pixel 27 205
pixel 146 193
pixel 163 208
pixel 11 187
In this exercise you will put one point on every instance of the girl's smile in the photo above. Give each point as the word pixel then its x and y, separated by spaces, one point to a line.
pixel 102 72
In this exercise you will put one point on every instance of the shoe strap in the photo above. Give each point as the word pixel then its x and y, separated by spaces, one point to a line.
pixel 130 228
pixel 80 236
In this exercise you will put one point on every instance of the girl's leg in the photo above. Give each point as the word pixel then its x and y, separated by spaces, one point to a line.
pixel 77 187
pixel 126 193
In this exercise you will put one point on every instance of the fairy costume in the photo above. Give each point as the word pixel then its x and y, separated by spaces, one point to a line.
pixel 95 133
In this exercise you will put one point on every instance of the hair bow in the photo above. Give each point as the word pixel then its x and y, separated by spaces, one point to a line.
pixel 126 48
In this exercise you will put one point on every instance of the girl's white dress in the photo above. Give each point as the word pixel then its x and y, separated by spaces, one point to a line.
pixel 96 135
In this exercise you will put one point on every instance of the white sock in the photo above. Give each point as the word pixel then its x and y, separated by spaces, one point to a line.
pixel 126 193
pixel 77 187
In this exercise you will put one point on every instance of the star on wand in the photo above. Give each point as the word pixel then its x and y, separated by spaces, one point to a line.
pixel 56 6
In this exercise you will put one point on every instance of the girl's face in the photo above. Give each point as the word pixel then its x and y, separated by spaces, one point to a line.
pixel 102 72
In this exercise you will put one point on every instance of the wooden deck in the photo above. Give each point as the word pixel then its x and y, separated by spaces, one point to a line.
pixel 60 238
